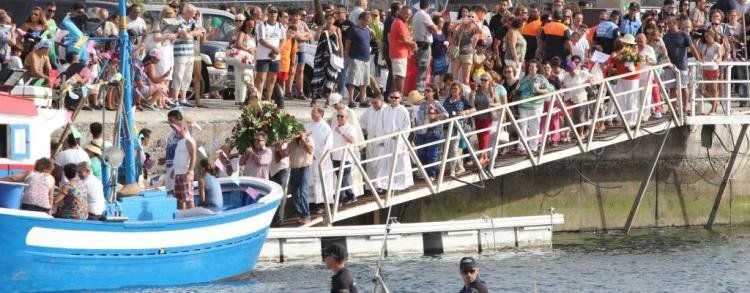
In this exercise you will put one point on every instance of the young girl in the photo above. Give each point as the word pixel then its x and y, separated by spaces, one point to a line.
pixel 711 51
pixel 209 187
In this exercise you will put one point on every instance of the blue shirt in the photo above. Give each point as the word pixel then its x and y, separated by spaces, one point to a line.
pixel 421 118
pixel 214 197
pixel 454 108
pixel 360 43
pixel 184 47
pixel 630 26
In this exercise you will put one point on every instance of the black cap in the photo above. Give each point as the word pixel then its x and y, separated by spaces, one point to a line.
pixel 335 250
pixel 634 5
pixel 467 263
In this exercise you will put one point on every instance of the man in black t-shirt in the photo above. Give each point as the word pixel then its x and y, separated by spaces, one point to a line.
pixel 342 281
pixel 470 275
pixel 344 24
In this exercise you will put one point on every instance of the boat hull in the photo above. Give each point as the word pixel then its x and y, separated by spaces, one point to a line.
pixel 46 254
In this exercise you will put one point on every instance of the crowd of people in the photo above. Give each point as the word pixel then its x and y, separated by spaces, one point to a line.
pixel 444 64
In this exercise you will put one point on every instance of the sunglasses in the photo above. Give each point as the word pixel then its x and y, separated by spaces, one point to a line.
pixel 395 97
pixel 469 271
pixel 52 10
pixel 340 116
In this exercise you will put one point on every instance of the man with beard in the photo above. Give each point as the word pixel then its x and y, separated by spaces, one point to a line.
pixel 531 30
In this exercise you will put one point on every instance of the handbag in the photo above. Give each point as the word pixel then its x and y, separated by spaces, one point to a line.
pixel 336 61
pixel 453 50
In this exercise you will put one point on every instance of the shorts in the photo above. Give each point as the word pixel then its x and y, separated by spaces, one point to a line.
pixel 183 73
pixel 282 76
pixel 183 187
pixel 670 81
pixel 267 66
pixel 398 67
pixel 466 58
pixel 300 57
pixel 712 74
pixel 359 73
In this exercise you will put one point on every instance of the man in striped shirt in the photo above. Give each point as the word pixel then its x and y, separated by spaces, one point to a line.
pixel 182 74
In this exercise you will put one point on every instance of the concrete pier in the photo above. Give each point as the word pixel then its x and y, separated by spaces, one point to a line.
pixel 474 236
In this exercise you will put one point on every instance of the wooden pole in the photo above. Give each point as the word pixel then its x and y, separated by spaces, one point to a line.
pixel 66 131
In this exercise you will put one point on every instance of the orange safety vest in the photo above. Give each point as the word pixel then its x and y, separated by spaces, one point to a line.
pixel 555 28
pixel 531 29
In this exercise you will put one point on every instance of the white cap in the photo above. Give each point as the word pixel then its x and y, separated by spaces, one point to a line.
pixel 334 98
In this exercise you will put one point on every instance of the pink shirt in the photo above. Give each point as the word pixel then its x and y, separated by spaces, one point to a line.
pixel 258 167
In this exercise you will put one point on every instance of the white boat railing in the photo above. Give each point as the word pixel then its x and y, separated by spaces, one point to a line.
pixel 608 105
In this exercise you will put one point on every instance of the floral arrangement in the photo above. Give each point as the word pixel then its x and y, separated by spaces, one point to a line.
pixel 266 118
pixel 627 55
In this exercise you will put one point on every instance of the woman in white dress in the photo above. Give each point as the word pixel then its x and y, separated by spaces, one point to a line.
pixel 244 49
pixel 164 39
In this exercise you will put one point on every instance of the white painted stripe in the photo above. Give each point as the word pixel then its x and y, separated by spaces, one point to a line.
pixel 70 239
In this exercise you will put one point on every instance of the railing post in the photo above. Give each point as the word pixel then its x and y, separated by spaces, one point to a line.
pixel 597 108
pixel 323 187
pixel 618 109
pixel 366 178
pixel 420 167
pixel 499 128
pixel 446 149
pixel 642 106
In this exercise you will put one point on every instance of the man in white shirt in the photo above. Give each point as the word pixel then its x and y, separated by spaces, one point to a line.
pixel 95 194
pixel 396 120
pixel 270 34
pixel 135 22
pixel 423 30
pixel 73 154
pixel 360 6
pixel 344 134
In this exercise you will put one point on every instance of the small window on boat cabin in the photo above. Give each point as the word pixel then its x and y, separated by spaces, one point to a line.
pixel 14 142
pixel 4 138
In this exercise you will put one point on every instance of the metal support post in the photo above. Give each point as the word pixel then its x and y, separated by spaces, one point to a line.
pixel 727 173
pixel 644 184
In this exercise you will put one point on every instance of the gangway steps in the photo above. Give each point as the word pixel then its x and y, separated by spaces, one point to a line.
pixel 505 164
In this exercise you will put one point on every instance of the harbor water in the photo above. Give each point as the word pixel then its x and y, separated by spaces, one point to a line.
pixel 667 260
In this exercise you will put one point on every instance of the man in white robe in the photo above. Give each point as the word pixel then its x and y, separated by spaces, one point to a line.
pixel 396 119
pixel 372 121
pixel 322 136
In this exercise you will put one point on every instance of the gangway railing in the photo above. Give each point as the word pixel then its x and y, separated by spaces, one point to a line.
pixel 610 104
pixel 731 98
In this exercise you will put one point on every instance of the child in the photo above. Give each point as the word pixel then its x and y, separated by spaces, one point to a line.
pixel 14 61
pixel 288 58
pixel 209 188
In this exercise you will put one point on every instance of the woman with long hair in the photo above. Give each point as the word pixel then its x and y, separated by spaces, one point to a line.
pixel 33 30
pixel 514 45
pixel 324 74
pixel 465 38
pixel 158 83
pixel 440 61
pixel 243 75
pixel 165 43
pixel 304 35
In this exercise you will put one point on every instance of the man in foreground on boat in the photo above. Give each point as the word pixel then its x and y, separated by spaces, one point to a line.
pixel 95 196
pixel 469 271
pixel 342 281
pixel 183 166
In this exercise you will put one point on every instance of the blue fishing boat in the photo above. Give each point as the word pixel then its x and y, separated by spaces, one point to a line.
pixel 144 240
pixel 150 248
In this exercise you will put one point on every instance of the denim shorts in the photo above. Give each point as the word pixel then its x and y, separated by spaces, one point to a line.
pixel 267 66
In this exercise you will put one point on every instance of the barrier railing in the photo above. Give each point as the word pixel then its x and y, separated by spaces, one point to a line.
pixel 611 103
pixel 732 87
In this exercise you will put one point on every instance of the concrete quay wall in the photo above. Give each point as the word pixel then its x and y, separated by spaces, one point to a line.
pixel 595 191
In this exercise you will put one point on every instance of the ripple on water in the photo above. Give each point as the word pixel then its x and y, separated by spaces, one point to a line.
pixel 671 260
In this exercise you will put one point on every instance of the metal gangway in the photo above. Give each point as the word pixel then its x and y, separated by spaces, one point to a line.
pixel 608 105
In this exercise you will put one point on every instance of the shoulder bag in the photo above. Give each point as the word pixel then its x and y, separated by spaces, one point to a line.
pixel 336 61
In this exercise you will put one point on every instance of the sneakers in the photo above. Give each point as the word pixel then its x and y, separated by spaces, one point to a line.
pixel 185 103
